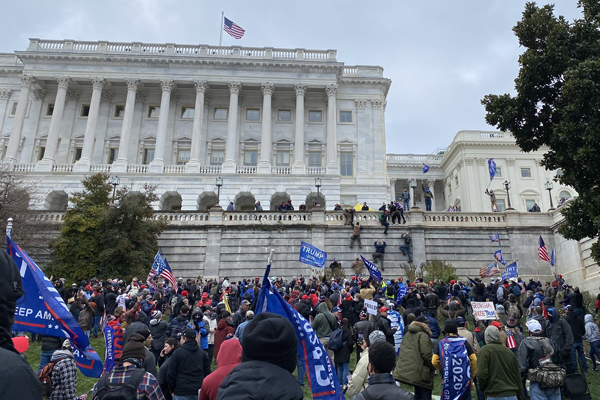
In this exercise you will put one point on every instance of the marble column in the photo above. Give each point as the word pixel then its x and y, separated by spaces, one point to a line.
pixel 229 165
pixel 45 164
pixel 17 128
pixel 430 185
pixel 4 104
pixel 333 166
pixel 193 166
pixel 83 164
pixel 299 166
pixel 120 165
pixel 411 191
pixel 393 189
pixel 266 137
pixel 158 163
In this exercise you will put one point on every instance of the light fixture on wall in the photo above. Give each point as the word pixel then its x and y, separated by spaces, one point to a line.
pixel 549 186
pixel 114 181
pixel 219 183
pixel 318 186
pixel 507 188
pixel 413 185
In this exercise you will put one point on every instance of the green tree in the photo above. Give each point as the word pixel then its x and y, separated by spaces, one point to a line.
pixel 102 239
pixel 557 104
pixel 436 269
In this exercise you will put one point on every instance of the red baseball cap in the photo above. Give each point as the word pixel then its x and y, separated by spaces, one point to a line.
pixel 497 325
pixel 21 343
pixel 382 309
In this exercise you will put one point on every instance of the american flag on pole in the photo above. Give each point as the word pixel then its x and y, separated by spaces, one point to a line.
pixel 160 268
pixel 232 28
pixel 489 270
pixel 542 251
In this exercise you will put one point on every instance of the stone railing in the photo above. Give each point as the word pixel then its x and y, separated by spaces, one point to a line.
pixel 202 50
pixel 62 168
pixel 315 171
pixel 24 167
pixel 464 218
pixel 246 170
pixel 281 170
pixel 137 169
pixel 100 167
pixel 174 169
pixel 414 158
pixel 210 169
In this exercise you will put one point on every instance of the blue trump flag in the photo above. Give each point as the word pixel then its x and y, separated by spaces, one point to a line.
pixel 511 271
pixel 319 368
pixel 553 257
pixel 492 168
pixel 425 168
pixel 495 238
pixel 41 310
pixel 312 256
pixel 499 257
pixel 373 270
pixel 401 293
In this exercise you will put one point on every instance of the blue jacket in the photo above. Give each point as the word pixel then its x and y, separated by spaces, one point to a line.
pixel 434 326
pixel 380 248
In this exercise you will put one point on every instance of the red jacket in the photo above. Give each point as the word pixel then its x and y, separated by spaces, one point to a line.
pixel 229 357
pixel 224 328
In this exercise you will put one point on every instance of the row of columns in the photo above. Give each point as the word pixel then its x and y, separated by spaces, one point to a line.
pixel 157 165
pixel 430 185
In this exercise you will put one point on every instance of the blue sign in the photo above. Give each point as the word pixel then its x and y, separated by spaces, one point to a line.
pixel 373 270
pixel 41 310
pixel 319 368
pixel 511 271
pixel 312 256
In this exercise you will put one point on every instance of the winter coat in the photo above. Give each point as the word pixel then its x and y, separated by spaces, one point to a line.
pixel 259 380
pixel 51 343
pixel 577 326
pixel 325 322
pixel 591 329
pixel 24 384
pixel 111 302
pixel 464 332
pixel 229 358
pixel 85 316
pixel 158 330
pixel 383 387
pixel 367 293
pixel 187 368
pixel 177 325
pixel 348 311
pixel 64 376
pixel 447 313
pixel 363 327
pixel 99 300
pixel 342 355
pixel 304 309
pixel 360 377
pixel 414 366
pixel 385 326
pixel 561 334
pixel 224 328
pixel 498 370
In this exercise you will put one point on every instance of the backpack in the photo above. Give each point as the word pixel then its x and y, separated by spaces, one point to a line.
pixel 125 391
pixel 548 374
pixel 45 377
pixel 390 290
pixel 380 217
pixel 335 340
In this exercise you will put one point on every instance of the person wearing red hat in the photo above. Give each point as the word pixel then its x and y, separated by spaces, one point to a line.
pixel 385 325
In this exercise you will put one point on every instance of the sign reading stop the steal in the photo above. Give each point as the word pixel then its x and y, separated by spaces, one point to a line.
pixel 483 310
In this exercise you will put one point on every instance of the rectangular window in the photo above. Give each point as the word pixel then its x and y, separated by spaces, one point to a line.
pixel 345 116
pixel 456 180
pixel 315 116
pixel 220 113
pixel 283 158
pixel 529 204
pixel 501 205
pixel 183 156
pixel 148 156
pixel 153 111
pixel 284 115
pixel 77 154
pixel 113 154
pixel 119 111
pixel 13 109
pixel 50 109
pixel 252 114
pixel 217 157
pixel 525 172
pixel 346 163
pixel 188 112
pixel 85 110
pixel 498 172
pixel 314 159
pixel 250 158
pixel 449 189
pixel 41 153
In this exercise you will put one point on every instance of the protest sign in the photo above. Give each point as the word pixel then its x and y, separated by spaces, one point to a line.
pixel 483 310
pixel 371 307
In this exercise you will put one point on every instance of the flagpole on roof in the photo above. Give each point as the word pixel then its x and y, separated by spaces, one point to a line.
pixel 221 28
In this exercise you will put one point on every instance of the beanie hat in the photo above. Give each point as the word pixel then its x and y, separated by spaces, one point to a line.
pixel 270 338
pixel 376 336
pixel 363 314
pixel 189 333
pixel 156 314
pixel 451 326
pixel 134 348
pixel 184 293
pixel 537 302
pixel 11 289
pixel 500 309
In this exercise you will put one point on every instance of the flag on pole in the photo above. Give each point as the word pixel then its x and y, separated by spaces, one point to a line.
pixel 542 251
pixel 320 372
pixel 489 270
pixel 42 310
pixel 162 269
pixel 492 168
pixel 499 257
pixel 425 168
pixel 553 257
pixel 232 28
pixel 495 238
pixel 373 270
pixel 511 271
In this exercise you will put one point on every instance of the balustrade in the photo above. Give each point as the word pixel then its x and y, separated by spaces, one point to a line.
pixel 137 169
pixel 281 170
pixel 24 167
pixel 174 169
pixel 246 170
pixel 62 168
pixel 100 167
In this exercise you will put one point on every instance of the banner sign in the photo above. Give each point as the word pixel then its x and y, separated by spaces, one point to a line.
pixel 511 271
pixel 401 293
pixel 483 310
pixel 41 310
pixel 371 307
pixel 373 270
pixel 320 371
pixel 312 256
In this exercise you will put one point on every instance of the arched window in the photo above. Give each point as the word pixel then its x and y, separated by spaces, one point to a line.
pixel 564 195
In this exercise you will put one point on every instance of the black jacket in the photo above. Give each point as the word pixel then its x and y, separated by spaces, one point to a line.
pixel 561 334
pixel 384 325
pixel 577 326
pixel 259 380
pixel 383 387
pixel 342 355
pixel 363 327
pixel 52 343
pixel 159 334
pixel 18 379
pixel 99 300
pixel 187 369
pixel 304 309
pixel 111 302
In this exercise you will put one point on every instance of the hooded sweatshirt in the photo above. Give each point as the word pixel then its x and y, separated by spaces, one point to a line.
pixel 591 329
pixel 64 376
pixel 324 323
pixel 224 328
pixel 230 355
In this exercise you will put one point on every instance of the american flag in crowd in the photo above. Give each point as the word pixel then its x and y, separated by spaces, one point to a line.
pixel 542 251
pixel 511 343
pixel 232 28
pixel 162 269
pixel 489 270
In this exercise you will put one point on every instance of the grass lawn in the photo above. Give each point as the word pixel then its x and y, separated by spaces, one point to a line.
pixel 85 384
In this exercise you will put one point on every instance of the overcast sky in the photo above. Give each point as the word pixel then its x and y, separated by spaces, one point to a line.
pixel 442 56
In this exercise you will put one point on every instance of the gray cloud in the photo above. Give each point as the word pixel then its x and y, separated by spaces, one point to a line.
pixel 443 57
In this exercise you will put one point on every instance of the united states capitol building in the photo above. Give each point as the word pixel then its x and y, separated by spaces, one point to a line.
pixel 274 125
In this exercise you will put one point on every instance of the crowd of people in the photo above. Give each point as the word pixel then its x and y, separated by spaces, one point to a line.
pixel 166 339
